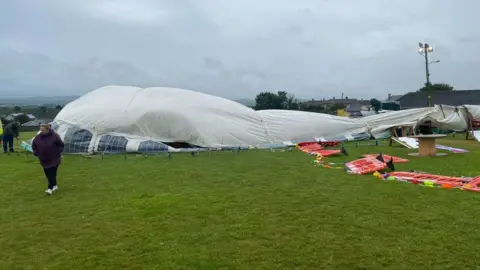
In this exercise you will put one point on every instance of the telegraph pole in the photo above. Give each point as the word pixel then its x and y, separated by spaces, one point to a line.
pixel 425 49
pixel 427 70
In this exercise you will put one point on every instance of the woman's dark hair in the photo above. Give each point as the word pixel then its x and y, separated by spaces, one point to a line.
pixel 47 126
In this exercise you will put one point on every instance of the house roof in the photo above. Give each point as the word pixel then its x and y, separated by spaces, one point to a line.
pixel 365 102
pixel 356 106
pixel 352 110
pixel 13 115
pixel 452 98
pixel 337 101
pixel 37 122
pixel 33 123
pixel 392 98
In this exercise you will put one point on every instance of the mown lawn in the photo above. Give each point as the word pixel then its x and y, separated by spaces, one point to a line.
pixel 253 210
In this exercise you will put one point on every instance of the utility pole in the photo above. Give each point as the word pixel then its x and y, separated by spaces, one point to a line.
pixel 424 50
pixel 427 70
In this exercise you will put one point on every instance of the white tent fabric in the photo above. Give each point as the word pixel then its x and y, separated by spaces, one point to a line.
pixel 474 111
pixel 443 117
pixel 132 119
pixel 283 125
pixel 450 117
pixel 377 124
pixel 164 115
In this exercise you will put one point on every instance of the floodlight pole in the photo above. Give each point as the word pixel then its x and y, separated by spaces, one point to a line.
pixel 424 49
pixel 427 69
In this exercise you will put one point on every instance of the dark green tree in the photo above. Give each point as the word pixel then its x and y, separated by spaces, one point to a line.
pixel 391 106
pixel 282 95
pixel 291 103
pixel 376 104
pixel 437 87
pixel 279 101
pixel 17 109
pixel 336 106
pixel 268 101
pixel 311 107
pixel 22 119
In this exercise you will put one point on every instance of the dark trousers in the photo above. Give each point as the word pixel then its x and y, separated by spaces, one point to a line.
pixel 7 143
pixel 51 174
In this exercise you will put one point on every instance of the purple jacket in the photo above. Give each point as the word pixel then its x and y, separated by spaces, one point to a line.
pixel 48 148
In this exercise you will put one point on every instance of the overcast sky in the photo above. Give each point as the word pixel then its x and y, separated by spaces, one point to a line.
pixel 237 48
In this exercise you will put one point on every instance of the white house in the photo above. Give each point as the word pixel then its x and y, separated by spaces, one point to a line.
pixel 36 122
pixel 13 116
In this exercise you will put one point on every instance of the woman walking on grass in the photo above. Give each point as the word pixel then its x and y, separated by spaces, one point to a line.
pixel 48 147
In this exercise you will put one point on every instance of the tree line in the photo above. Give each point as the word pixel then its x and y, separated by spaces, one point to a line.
pixel 40 112
pixel 285 101
pixel 282 100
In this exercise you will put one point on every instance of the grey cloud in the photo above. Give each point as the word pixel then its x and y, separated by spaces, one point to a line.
pixel 214 64
pixel 235 48
pixel 35 74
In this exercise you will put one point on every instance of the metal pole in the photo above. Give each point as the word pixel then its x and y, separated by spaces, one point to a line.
pixel 427 70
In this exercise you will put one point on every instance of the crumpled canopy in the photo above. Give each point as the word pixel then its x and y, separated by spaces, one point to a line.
pixel 132 119
pixel 283 125
pixel 166 115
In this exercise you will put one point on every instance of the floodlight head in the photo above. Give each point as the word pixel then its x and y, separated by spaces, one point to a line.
pixel 420 45
pixel 429 49
pixel 421 50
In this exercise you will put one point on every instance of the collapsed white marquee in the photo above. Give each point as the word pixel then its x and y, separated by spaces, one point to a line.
pixel 132 119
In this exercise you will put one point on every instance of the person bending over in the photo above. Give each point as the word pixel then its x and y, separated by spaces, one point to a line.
pixel 9 133
pixel 48 147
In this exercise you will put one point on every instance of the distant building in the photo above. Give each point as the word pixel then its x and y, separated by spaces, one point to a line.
pixel 452 98
pixel 351 105
pixel 392 102
pixel 356 108
pixel 13 116
pixel 36 123
pixel 392 98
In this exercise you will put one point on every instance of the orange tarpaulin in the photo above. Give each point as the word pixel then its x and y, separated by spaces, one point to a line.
pixel 365 166
pixel 415 178
pixel 387 158
pixel 316 149
pixel 474 185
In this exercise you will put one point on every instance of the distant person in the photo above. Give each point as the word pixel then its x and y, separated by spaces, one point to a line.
pixel 9 133
pixel 426 128
pixel 48 147
pixel 1 131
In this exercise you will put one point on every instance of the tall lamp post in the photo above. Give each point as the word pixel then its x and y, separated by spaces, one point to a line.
pixel 424 50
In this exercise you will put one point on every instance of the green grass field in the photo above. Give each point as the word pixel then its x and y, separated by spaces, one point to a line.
pixel 254 210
